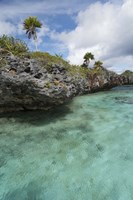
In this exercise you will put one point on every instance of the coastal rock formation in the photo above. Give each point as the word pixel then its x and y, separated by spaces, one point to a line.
pixel 25 85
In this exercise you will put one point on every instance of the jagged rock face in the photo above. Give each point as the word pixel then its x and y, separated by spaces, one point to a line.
pixel 127 80
pixel 106 80
pixel 25 85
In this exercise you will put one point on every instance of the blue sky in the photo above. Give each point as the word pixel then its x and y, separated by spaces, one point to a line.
pixel 73 27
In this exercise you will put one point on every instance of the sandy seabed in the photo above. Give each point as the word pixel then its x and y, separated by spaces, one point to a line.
pixel 80 151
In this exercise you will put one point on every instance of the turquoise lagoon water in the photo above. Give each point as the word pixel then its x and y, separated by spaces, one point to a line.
pixel 80 151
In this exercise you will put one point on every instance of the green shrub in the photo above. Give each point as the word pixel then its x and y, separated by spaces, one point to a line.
pixel 13 46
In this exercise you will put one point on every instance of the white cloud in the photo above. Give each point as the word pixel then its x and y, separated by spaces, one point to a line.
pixel 7 28
pixel 104 29
pixel 42 7
pixel 42 33
pixel 13 13
pixel 120 63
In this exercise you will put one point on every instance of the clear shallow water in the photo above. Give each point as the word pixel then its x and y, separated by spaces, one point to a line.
pixel 81 151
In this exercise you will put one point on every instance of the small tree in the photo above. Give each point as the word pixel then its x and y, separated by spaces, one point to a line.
pixel 30 25
pixel 87 57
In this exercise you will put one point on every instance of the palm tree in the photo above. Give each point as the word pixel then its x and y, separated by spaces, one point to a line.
pixel 30 25
pixel 98 64
pixel 87 57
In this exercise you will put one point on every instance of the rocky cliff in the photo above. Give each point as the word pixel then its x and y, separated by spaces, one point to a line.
pixel 26 85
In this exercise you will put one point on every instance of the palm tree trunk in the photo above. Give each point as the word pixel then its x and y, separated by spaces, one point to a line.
pixel 36 45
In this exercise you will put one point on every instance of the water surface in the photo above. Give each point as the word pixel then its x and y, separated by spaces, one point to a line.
pixel 80 151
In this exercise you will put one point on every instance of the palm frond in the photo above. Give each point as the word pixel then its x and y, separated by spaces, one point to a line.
pixel 30 24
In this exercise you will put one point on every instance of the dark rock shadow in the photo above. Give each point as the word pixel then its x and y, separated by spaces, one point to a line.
pixel 38 117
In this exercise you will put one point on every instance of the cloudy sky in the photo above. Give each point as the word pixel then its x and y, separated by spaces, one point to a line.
pixel 73 27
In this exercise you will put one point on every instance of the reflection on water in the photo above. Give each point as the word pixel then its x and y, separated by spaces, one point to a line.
pixel 80 151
